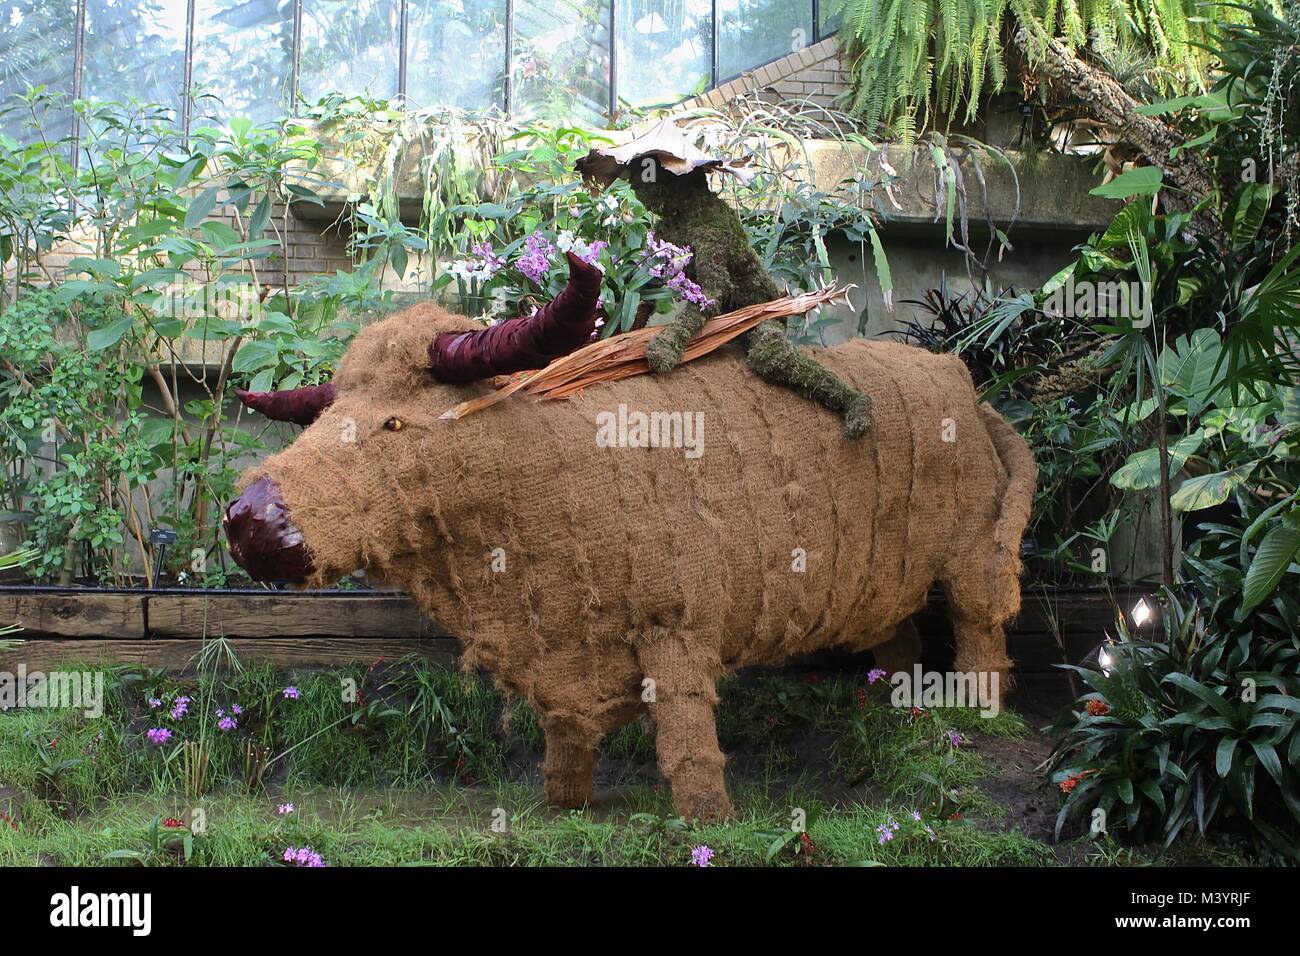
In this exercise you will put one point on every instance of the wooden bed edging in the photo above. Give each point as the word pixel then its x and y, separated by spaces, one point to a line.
pixel 166 627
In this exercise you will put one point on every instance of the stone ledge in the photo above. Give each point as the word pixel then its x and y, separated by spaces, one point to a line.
pixel 1053 189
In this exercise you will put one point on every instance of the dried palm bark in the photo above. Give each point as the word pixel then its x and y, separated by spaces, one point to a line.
pixel 623 356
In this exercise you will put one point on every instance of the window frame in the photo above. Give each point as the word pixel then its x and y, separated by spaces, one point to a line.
pixel 78 61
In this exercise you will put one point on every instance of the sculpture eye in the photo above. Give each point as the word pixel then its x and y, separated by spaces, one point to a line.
pixel 393 424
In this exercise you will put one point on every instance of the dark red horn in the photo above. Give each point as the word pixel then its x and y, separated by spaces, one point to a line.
pixel 531 341
pixel 302 406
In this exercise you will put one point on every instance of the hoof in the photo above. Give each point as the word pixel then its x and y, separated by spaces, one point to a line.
pixel 566 798
pixel 857 417
pixel 706 808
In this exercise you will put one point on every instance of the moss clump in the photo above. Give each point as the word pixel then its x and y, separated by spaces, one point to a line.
pixel 728 272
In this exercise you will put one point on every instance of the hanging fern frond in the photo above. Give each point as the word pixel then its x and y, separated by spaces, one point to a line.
pixel 911 58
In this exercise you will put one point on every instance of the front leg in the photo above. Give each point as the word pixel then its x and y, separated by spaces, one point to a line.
pixel 684 695
pixel 570 764
pixel 664 353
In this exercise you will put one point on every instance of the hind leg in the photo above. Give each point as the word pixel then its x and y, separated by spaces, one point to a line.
pixel 686 738
pixel 900 652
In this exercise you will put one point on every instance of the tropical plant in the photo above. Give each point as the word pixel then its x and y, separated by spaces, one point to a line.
pixel 1195 728
pixel 182 244
pixel 912 63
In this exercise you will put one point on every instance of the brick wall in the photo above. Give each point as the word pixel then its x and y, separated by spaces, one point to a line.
pixel 814 74
pixel 314 248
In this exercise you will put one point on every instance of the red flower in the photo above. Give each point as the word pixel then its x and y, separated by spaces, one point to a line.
pixel 862 699
pixel 6 818
pixel 955 816
pixel 814 678
pixel 171 823
pixel 1098 708
pixel 1070 782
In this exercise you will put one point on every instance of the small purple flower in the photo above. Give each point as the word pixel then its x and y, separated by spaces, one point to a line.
pixel 591 254
pixel 916 816
pixel 691 292
pixel 154 703
pixel 291 693
pixel 875 674
pixel 227 723
pixel 955 738
pixel 666 260
pixel 886 833
pixel 701 855
pixel 536 260
pixel 236 709
pixel 158 735
pixel 491 261
pixel 284 808
pixel 180 707
pixel 302 856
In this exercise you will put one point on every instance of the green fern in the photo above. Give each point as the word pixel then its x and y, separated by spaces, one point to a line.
pixel 912 59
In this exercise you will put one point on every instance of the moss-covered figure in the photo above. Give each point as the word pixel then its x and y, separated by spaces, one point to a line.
pixel 730 274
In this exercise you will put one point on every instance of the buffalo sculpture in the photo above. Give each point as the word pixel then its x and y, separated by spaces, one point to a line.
pixel 600 579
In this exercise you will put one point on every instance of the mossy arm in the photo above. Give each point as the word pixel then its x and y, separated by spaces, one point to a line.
pixel 728 271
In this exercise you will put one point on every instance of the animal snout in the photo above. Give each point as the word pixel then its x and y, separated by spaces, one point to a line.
pixel 264 541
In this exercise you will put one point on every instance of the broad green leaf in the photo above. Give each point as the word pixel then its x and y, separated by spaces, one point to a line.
pixel 1202 693
pixel 1206 491
pixel 1271 560
pixel 1248 211
pixel 1142 469
pixel 256 355
pixel 201 207
pixel 1167 106
pixel 261 216
pixel 109 335
pixel 1188 367
pixel 1223 755
pixel 220 234
pixel 96 267
pixel 1143 181
pixel 302 192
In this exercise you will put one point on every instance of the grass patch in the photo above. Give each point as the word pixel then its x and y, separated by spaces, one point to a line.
pixel 408 763
pixel 439 828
